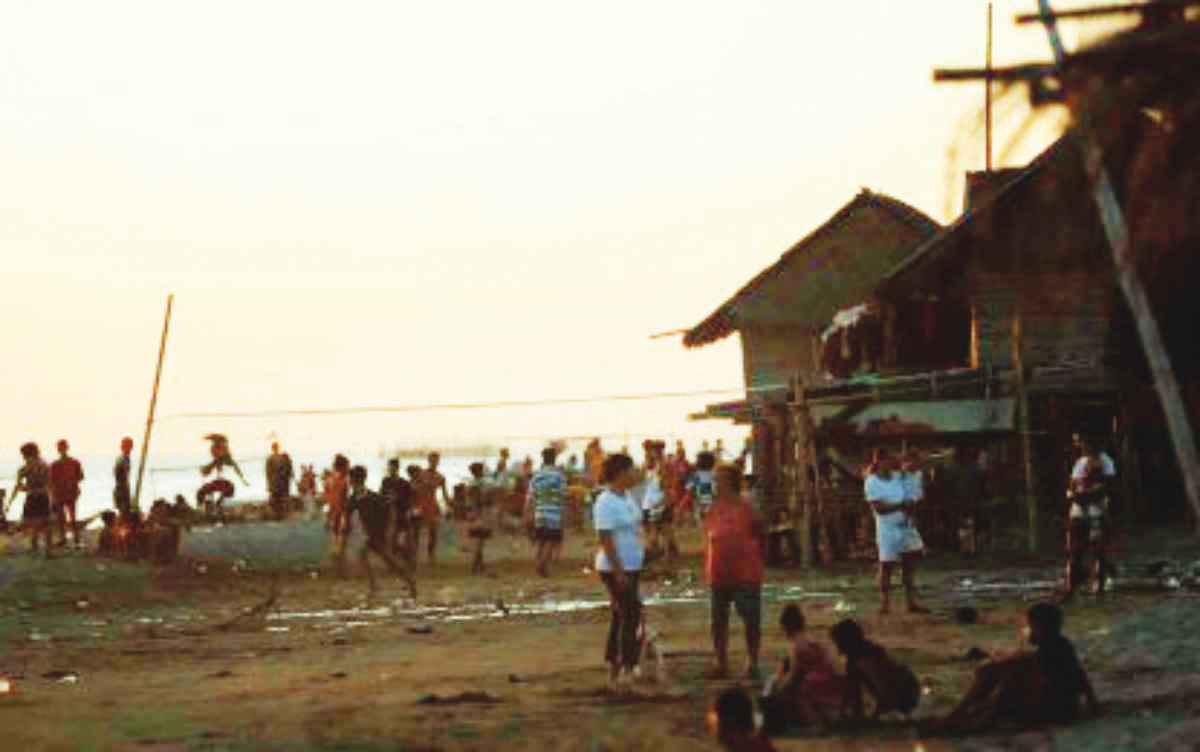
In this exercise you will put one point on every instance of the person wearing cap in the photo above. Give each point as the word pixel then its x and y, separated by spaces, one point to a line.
pixel 65 476
pixel 122 495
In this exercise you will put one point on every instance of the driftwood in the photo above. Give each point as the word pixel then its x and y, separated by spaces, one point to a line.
pixel 244 619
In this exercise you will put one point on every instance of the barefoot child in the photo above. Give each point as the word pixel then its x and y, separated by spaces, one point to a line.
pixel 730 720
pixel 868 666
pixel 375 512
pixel 807 689
pixel 1029 688
pixel 478 530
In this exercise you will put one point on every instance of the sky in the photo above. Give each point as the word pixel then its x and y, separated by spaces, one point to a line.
pixel 395 203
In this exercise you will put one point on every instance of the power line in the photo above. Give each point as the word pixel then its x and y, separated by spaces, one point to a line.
pixel 468 405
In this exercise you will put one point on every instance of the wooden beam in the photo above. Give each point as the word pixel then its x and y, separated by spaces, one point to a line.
pixel 162 351
pixel 1117 231
pixel 801 498
pixel 1155 6
pixel 1024 427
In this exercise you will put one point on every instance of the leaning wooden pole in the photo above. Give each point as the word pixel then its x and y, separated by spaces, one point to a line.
pixel 1174 408
pixel 162 350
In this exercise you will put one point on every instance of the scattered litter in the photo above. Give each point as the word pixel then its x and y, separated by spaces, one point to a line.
pixel 82 604
pixel 842 607
pixel 101 568
pixel 64 677
pixel 340 641
pixel 339 675
pixel 420 629
pixel 314 575
pixel 514 679
pixel 200 569
pixel 966 615
pixel 462 697
pixel 975 654
pixel 222 675
pixel 1173 583
pixel 279 629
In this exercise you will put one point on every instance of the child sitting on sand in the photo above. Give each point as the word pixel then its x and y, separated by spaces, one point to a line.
pixel 730 720
pixel 893 686
pixel 1028 688
pixel 807 688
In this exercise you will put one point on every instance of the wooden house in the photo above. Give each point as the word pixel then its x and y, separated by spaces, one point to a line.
pixel 780 313
pixel 1045 352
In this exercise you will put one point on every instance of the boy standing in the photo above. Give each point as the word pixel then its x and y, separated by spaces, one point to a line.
pixel 65 476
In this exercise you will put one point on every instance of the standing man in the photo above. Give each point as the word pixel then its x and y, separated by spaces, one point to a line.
pixel 279 472
pixel 428 483
pixel 1092 476
pixel 65 476
pixel 122 496
pixel 396 489
pixel 547 493
pixel 34 479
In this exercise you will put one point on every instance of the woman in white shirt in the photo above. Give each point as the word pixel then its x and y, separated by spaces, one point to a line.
pixel 618 521
pixel 898 540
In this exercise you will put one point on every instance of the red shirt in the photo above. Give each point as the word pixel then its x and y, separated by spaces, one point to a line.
pixel 65 477
pixel 732 554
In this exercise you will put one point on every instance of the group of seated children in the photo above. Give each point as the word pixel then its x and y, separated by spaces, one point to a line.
pixel 156 537
pixel 1044 686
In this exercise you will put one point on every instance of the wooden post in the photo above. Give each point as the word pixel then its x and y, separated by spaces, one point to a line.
pixel 987 82
pixel 1023 425
pixel 1116 230
pixel 162 350
pixel 801 495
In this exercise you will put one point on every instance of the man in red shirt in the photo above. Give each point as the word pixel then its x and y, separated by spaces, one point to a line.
pixel 65 476
pixel 733 567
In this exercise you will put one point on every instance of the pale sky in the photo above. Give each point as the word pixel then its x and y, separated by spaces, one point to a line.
pixel 392 202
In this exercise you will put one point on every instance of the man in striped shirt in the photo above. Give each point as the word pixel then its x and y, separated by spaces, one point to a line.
pixel 547 494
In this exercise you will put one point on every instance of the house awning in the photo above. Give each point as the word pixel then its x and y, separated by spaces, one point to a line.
pixel 745 410
pixel 917 418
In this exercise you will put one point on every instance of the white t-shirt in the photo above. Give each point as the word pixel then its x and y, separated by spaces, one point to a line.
pixel 620 515
pixel 1079 472
pixel 652 493
pixel 914 485
pixel 893 532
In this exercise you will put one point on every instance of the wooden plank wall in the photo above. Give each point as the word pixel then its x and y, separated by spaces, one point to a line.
pixel 1067 318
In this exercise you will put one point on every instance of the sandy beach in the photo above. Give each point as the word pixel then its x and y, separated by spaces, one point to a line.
pixel 111 656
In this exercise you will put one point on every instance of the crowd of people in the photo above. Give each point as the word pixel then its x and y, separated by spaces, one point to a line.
pixel 634 508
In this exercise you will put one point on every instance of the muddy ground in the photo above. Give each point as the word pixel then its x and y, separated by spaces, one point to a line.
pixel 104 655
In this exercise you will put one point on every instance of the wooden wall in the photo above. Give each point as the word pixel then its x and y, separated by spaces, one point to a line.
pixel 1065 318
pixel 772 355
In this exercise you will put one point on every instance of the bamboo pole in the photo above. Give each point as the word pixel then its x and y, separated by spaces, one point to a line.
pixel 987 83
pixel 1117 231
pixel 1031 502
pixel 803 497
pixel 162 350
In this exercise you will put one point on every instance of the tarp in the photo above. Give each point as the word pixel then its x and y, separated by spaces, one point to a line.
pixel 930 417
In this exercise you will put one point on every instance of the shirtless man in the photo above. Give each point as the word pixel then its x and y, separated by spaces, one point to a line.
pixel 221 457
pixel 122 495
pixel 426 487
pixel 396 489
pixel 376 513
